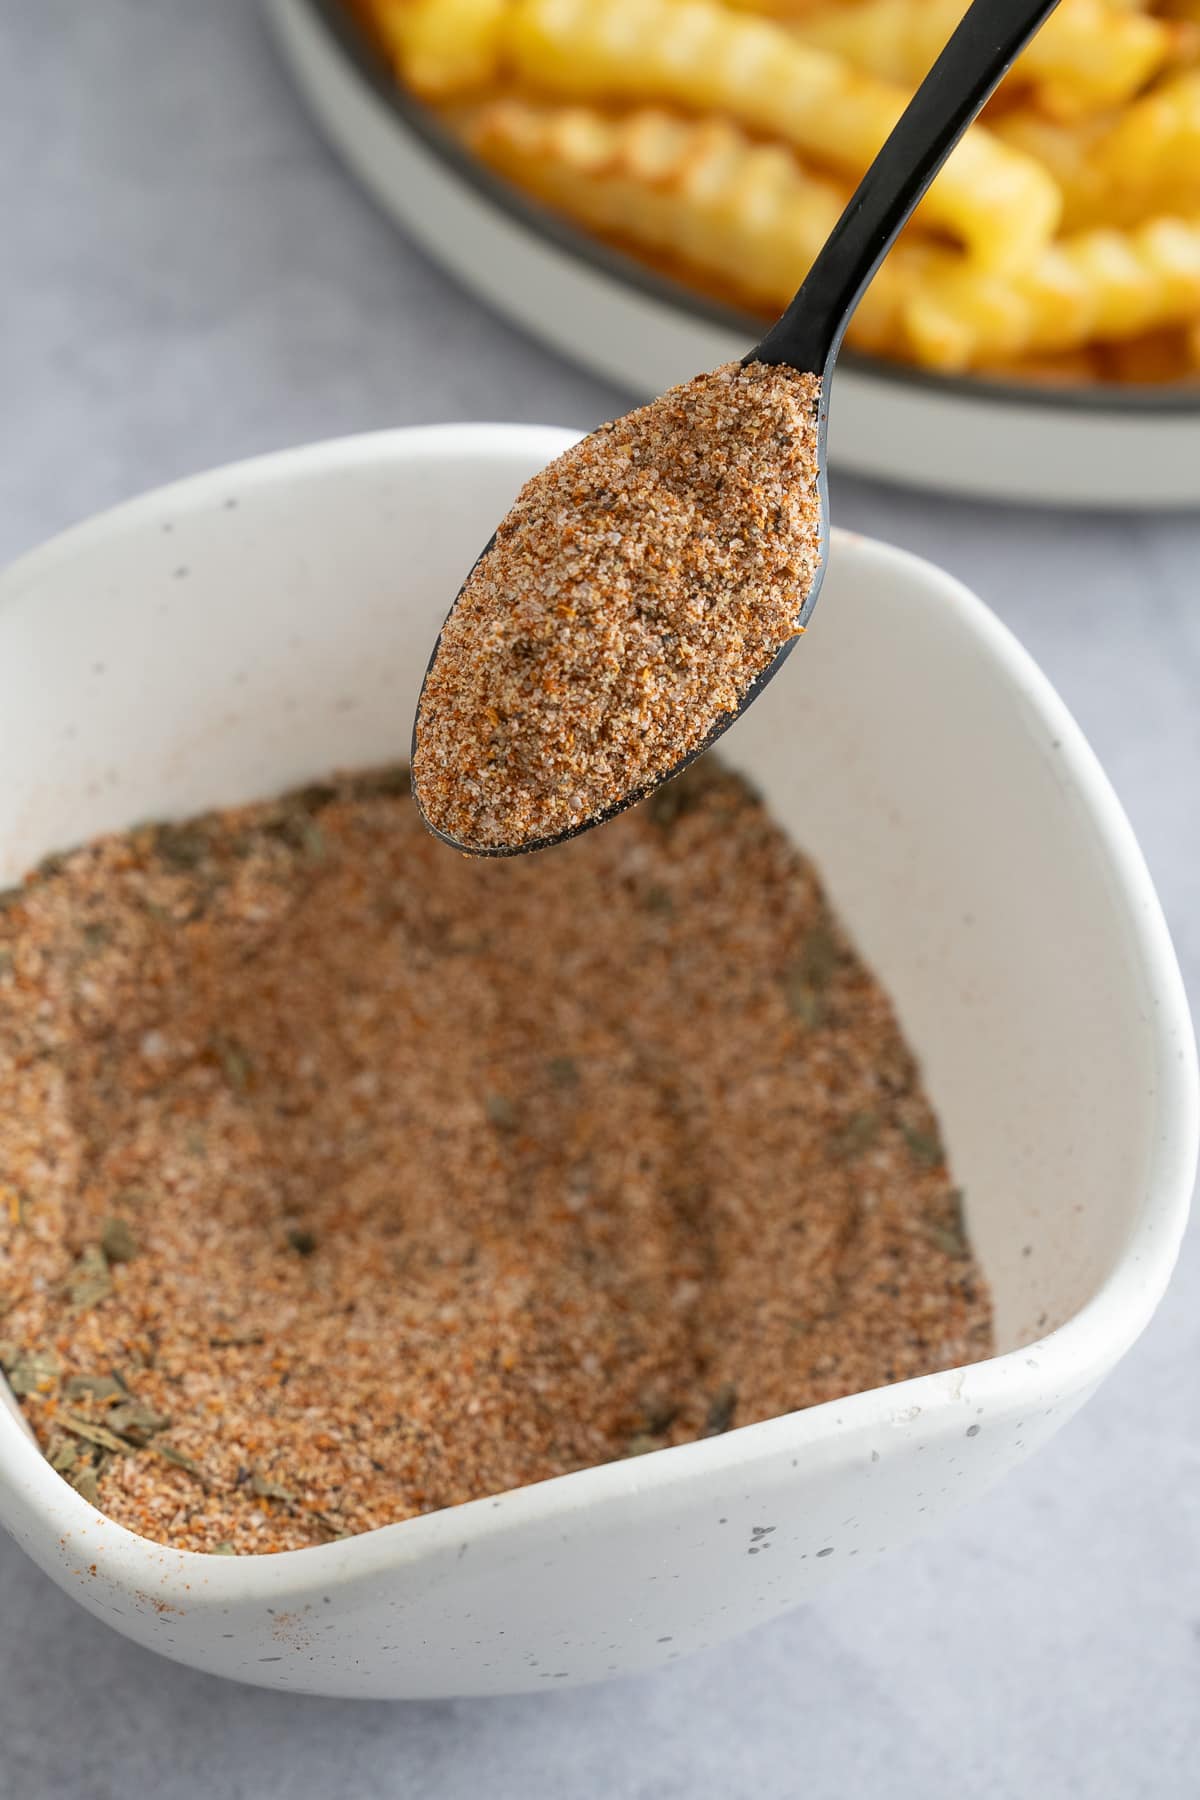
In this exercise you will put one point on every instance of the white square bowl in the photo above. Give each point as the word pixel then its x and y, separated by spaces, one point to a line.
pixel 254 628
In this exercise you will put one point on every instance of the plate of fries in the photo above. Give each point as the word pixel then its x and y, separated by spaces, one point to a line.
pixel 643 183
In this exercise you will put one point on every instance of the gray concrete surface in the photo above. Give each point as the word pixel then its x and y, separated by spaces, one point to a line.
pixel 187 277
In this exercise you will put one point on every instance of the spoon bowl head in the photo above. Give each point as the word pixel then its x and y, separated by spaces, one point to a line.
pixel 729 535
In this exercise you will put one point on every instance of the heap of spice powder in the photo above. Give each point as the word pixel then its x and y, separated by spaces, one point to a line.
pixel 637 589
pixel 343 1178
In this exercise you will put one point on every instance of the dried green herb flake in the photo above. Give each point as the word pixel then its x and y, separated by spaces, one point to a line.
pixel 181 846
pixel 657 899
pixel 170 1454
pixel 136 1421
pixel 328 1522
pixel 63 1453
pixel 819 956
pixel 271 1490
pixel 950 1234
pixel 856 1136
pixel 93 1433
pixel 117 1241
pixel 92 1387
pixel 660 1412
pixel 721 1409
pixel 803 1000
pixel 236 1064
pixel 948 1238
pixel 86 1481
pixel 30 1372
pixel 500 1112
pixel 89 1281
pixel 924 1146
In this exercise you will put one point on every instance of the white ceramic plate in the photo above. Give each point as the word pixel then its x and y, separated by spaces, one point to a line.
pixel 972 846
pixel 1091 447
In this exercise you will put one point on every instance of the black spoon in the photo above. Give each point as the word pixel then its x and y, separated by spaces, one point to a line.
pixel 809 334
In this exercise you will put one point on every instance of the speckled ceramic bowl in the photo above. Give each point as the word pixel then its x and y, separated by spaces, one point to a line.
pixel 253 628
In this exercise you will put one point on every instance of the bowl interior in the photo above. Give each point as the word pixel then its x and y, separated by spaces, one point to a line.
pixel 249 630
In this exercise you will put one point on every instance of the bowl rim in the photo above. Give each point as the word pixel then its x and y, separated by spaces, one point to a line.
pixel 346 38
pixel 1070 1359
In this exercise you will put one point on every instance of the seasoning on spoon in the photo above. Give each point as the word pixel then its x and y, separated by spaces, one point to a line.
pixel 640 586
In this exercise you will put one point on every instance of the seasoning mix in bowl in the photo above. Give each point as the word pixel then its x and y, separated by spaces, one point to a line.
pixel 347 1179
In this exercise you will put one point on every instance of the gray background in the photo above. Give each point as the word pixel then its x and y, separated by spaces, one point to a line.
pixel 189 277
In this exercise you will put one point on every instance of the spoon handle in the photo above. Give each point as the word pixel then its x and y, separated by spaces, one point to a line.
pixel 988 38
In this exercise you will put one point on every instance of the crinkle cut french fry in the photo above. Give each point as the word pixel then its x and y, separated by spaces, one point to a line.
pixel 1089 55
pixel 697 55
pixel 1069 152
pixel 1121 169
pixel 1101 284
pixel 442 47
pixel 1157 139
pixel 744 214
